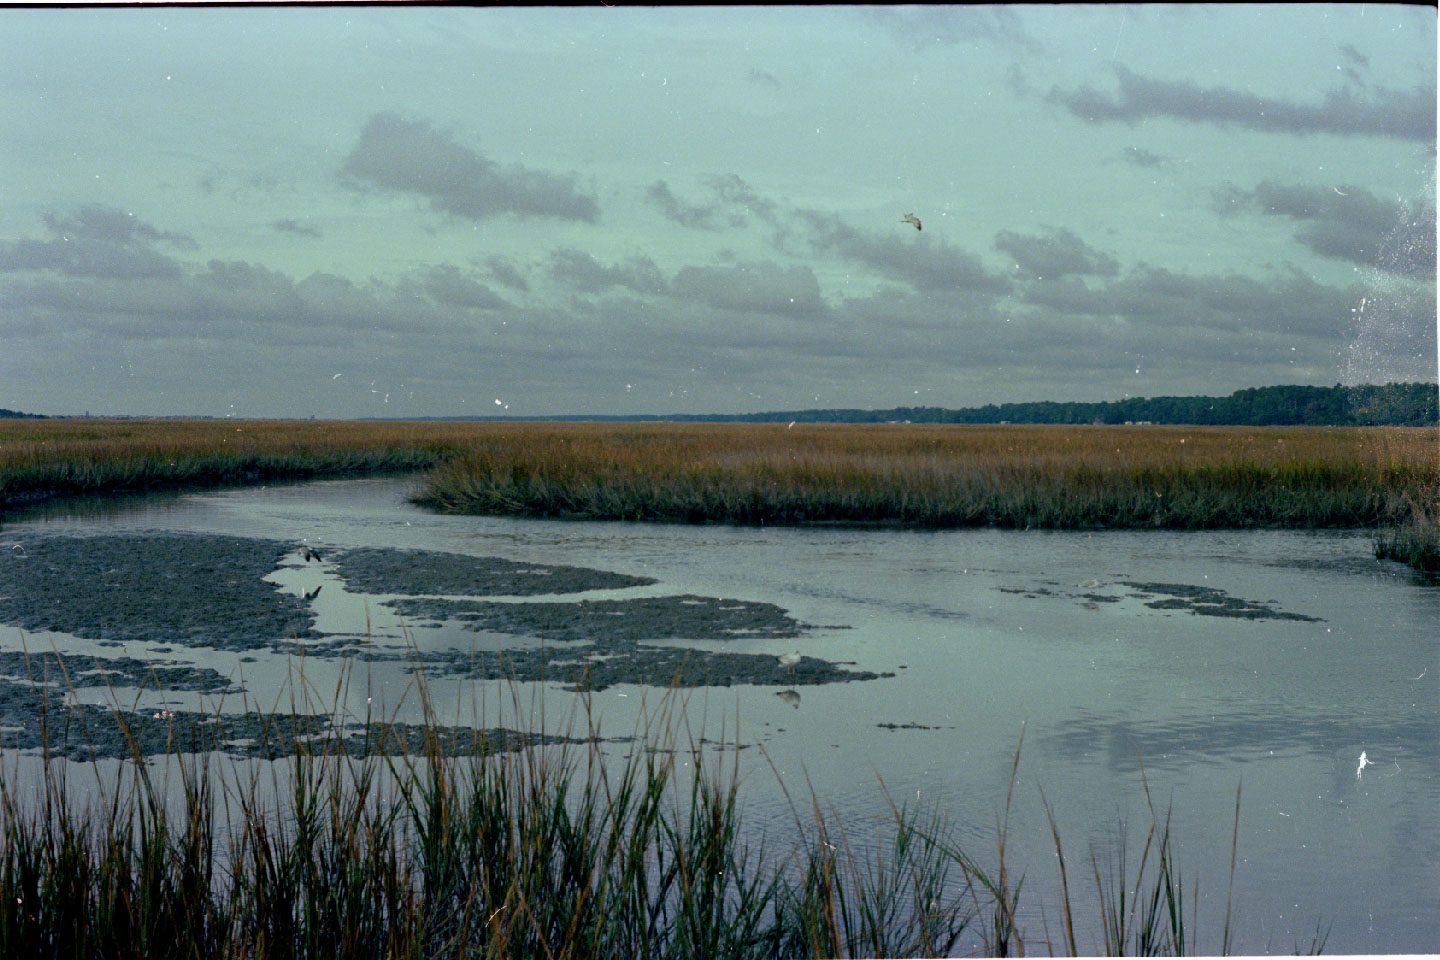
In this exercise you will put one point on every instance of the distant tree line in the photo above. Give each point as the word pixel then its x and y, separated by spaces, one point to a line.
pixel 6 414
pixel 1394 404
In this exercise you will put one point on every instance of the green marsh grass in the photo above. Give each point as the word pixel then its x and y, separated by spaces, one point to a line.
pixel 550 851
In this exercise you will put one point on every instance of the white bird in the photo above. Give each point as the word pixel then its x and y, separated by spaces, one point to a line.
pixel 789 660
pixel 1363 764
pixel 911 219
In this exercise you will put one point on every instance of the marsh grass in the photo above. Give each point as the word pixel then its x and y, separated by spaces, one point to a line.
pixel 552 851
pixel 911 475
pixel 1014 476
pixel 1415 539
pixel 47 458
pixel 943 476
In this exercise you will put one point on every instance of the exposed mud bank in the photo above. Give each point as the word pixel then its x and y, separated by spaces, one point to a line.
pixel 179 594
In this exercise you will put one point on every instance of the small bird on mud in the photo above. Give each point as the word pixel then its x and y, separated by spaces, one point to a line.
pixel 314 593
pixel 791 697
pixel 911 219
pixel 308 553
pixel 789 660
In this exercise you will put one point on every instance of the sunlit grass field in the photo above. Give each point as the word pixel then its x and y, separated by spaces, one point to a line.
pixel 923 475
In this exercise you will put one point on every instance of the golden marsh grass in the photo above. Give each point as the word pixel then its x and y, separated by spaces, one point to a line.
pixel 906 474
pixel 41 458
pixel 1036 476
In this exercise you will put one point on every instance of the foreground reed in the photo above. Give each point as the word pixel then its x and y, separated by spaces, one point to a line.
pixel 553 851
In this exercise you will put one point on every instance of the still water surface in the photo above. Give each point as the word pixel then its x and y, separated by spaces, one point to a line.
pixel 1070 637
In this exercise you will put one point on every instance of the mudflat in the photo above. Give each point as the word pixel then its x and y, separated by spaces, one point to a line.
pixel 188 593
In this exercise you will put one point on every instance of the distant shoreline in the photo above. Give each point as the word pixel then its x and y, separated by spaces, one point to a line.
pixel 1390 405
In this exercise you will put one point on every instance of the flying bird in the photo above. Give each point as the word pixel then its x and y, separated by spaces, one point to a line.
pixel 307 554
pixel 911 219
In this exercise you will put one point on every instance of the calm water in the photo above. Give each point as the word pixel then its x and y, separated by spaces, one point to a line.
pixel 988 633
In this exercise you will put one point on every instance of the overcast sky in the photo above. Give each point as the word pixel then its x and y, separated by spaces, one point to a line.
pixel 358 211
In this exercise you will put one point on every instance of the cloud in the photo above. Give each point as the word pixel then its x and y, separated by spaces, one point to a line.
pixel 686 215
pixel 1400 114
pixel 111 225
pixel 751 286
pixel 1162 300
pixel 763 77
pixel 925 264
pixel 582 272
pixel 1058 254
pixel 86 258
pixel 918 27
pixel 1354 56
pixel 297 228
pixel 505 273
pixel 446 285
pixel 1347 223
pixel 1141 157
pixel 410 156
pixel 735 192
pixel 733 199
pixel 95 242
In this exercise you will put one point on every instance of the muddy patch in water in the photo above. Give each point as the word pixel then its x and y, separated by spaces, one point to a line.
pixel 1202 601
pixel 602 665
pixel 34 715
pixel 175 593
pixel 684 617
pixel 377 570
pixel 1209 602
pixel 192 590
pixel 82 671
pixel 604 642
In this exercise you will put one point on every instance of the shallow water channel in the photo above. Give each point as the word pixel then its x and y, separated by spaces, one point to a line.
pixel 1265 660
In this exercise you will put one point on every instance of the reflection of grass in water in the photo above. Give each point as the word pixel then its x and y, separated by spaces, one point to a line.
pixel 549 851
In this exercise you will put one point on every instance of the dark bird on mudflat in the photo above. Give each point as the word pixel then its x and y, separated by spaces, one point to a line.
pixel 311 595
pixel 911 219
